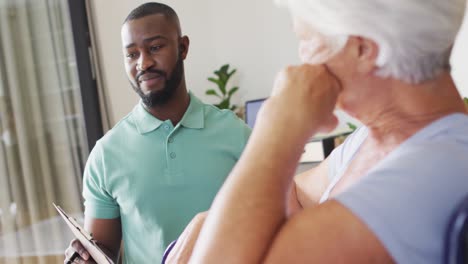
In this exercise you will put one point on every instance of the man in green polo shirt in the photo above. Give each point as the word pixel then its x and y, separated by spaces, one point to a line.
pixel 165 161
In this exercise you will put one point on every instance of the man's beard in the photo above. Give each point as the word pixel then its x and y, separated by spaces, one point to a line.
pixel 161 97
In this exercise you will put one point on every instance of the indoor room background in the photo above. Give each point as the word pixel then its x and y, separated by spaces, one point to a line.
pixel 44 136
pixel 255 37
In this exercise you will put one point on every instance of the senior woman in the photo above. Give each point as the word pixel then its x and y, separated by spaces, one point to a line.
pixel 386 194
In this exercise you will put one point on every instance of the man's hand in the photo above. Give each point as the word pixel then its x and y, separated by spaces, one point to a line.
pixel 182 250
pixel 107 232
pixel 83 258
pixel 303 100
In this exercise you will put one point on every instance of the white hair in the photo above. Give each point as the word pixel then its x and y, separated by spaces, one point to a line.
pixel 415 37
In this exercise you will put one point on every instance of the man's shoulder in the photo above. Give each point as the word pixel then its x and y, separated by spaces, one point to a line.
pixel 213 111
pixel 226 117
pixel 121 130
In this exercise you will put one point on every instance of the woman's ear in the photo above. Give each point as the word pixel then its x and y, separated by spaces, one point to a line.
pixel 368 52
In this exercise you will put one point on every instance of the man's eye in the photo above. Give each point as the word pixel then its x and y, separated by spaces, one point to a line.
pixel 131 55
pixel 155 48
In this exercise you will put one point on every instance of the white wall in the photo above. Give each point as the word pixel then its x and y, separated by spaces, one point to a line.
pixel 256 37
pixel 253 36
pixel 460 59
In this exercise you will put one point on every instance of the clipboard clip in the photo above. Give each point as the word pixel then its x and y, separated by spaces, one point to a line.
pixel 72 220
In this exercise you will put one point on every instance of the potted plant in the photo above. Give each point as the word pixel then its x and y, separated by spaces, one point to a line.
pixel 221 91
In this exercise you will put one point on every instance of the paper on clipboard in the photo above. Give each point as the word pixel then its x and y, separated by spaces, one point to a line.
pixel 85 238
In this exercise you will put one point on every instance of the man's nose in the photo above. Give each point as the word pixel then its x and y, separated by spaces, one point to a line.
pixel 145 62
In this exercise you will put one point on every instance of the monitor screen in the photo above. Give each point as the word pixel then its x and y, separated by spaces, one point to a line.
pixel 251 110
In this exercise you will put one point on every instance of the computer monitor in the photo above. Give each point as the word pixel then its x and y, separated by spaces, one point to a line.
pixel 251 110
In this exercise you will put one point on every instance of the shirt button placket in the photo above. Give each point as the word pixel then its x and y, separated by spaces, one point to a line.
pixel 170 139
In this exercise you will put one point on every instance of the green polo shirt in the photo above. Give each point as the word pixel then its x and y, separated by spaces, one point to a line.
pixel 157 177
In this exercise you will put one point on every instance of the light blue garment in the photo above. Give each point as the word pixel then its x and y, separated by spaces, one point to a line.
pixel 407 199
pixel 156 177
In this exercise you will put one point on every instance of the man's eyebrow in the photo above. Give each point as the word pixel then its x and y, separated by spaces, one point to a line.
pixel 130 45
pixel 146 40
pixel 154 38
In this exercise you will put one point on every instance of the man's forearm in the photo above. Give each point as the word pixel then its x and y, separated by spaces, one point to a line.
pixel 107 233
pixel 112 254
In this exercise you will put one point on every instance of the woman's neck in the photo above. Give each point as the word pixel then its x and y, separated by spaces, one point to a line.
pixel 404 109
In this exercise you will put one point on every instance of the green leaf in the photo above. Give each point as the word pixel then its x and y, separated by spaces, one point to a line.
pixel 224 68
pixel 232 91
pixel 223 75
pixel 231 73
pixel 224 104
pixel 211 79
pixel 222 84
pixel 212 92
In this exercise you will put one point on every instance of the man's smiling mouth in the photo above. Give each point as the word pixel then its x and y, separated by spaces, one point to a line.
pixel 149 76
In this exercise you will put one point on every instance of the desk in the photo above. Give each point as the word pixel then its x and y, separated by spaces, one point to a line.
pixel 320 146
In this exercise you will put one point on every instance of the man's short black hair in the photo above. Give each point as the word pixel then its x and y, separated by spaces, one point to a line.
pixel 153 8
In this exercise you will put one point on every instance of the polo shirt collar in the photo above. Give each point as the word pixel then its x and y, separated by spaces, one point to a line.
pixel 144 121
pixel 193 117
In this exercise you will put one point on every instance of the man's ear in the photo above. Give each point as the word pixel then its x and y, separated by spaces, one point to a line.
pixel 368 51
pixel 184 44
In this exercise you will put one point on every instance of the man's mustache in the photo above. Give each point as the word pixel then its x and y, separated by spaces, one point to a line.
pixel 150 70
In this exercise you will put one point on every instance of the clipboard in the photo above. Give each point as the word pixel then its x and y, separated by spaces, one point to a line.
pixel 85 238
